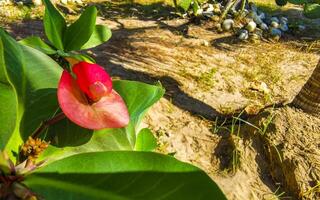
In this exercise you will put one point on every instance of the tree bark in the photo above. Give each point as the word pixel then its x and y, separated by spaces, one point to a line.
pixel 308 99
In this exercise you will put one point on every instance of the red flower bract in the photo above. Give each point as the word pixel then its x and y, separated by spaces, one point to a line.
pixel 89 100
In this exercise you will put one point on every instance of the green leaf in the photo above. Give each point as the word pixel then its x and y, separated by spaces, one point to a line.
pixel 145 141
pixel 66 133
pixel 54 25
pixel 27 70
pixel 312 11
pixel 195 8
pixel 80 31
pixel 122 175
pixel 185 4
pixel 301 2
pixel 81 57
pixel 138 97
pixel 100 35
pixel 42 105
pixel 8 113
pixel 8 103
pixel 37 43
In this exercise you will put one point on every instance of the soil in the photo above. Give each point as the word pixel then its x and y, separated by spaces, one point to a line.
pixel 208 75
pixel 293 151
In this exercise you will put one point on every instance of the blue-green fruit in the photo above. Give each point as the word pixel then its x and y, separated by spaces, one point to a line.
pixel 243 34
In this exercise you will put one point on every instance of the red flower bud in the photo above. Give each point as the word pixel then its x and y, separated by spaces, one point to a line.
pixel 92 80
pixel 89 100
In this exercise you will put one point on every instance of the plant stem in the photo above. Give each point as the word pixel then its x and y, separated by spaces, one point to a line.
pixel 243 5
pixel 227 8
pixel 45 124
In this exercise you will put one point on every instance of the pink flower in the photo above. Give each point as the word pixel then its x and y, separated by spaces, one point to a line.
pixel 89 100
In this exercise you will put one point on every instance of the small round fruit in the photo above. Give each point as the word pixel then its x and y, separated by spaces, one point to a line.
pixel 275 24
pixel 251 26
pixel 227 24
pixel 243 34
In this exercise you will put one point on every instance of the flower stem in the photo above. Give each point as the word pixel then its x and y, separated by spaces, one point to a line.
pixel 45 124
pixel 227 8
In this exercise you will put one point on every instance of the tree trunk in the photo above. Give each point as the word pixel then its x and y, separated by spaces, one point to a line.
pixel 308 99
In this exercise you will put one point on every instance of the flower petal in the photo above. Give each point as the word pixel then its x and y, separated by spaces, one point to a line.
pixel 109 112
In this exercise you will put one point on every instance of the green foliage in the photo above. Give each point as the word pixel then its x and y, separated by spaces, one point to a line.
pixel 184 4
pixel 145 141
pixel 311 7
pixel 65 40
pixel 100 35
pixel 298 2
pixel 27 70
pixel 54 25
pixel 122 175
pixel 37 43
pixel 195 7
pixel 312 11
pixel 80 31
pixel 8 103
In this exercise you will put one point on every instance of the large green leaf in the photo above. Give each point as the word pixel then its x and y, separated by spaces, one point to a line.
pixel 8 103
pixel 100 35
pixel 8 113
pixel 138 97
pixel 42 105
pixel 28 70
pixel 80 31
pixel 54 25
pixel 66 133
pixel 37 43
pixel 122 175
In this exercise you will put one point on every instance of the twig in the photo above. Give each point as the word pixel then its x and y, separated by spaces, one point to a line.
pixel 44 125
pixel 243 5
pixel 226 10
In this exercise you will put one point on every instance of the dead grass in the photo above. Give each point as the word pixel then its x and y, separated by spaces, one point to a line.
pixel 13 13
